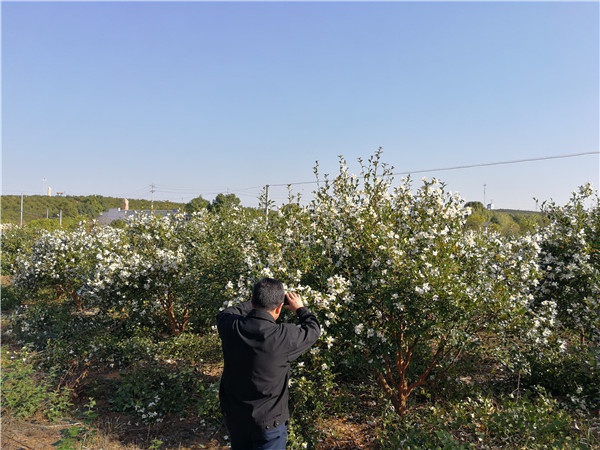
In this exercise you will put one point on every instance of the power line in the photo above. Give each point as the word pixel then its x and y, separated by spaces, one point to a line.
pixel 468 166
pixel 180 190
pixel 498 163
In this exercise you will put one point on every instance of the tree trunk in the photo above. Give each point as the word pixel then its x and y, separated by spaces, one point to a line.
pixel 398 396
pixel 175 326
pixel 394 381
pixel 61 291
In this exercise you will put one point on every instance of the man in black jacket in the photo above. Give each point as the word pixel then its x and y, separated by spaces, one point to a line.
pixel 257 353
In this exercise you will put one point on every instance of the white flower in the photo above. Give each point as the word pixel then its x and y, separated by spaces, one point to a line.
pixel 330 340
pixel 422 289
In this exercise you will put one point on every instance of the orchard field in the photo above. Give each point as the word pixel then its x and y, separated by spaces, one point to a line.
pixel 436 334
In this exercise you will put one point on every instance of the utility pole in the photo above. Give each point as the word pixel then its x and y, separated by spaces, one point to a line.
pixel 152 197
pixel 484 205
pixel 21 210
pixel 60 218
pixel 267 204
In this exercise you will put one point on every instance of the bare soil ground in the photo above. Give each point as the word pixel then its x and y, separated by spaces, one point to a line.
pixel 19 436
pixel 112 434
pixel 109 434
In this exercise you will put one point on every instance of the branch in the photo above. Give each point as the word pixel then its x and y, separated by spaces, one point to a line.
pixel 430 367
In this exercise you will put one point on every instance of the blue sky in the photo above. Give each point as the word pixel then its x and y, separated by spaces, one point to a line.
pixel 198 98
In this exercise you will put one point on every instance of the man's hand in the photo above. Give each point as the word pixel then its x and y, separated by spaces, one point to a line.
pixel 294 301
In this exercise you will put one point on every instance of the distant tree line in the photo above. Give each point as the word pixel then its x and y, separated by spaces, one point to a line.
pixel 74 208
pixel 505 221
pixel 40 209
pixel 43 210
pixel 221 201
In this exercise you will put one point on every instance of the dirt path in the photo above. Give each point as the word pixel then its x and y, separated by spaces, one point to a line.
pixel 40 436
pixel 25 436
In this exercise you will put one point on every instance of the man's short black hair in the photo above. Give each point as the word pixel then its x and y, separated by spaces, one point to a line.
pixel 268 293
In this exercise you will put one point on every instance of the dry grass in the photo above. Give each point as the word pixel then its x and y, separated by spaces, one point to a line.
pixel 109 433
pixel 345 434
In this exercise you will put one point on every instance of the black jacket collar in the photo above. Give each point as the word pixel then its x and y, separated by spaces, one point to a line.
pixel 261 314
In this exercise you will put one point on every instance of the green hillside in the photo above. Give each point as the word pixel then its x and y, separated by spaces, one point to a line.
pixel 37 207
pixel 506 221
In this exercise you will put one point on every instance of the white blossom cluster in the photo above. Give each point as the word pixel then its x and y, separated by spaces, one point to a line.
pixel 570 263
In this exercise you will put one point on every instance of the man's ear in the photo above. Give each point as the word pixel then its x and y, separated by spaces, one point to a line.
pixel 278 309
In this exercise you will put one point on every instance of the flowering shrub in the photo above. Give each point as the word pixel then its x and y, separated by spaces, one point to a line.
pixel 25 393
pixel 414 289
pixel 399 285
pixel 567 363
pixel 170 271
pixel 534 421
pixel 15 241
pixel 151 393
pixel 140 277
pixel 570 262
pixel 61 260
